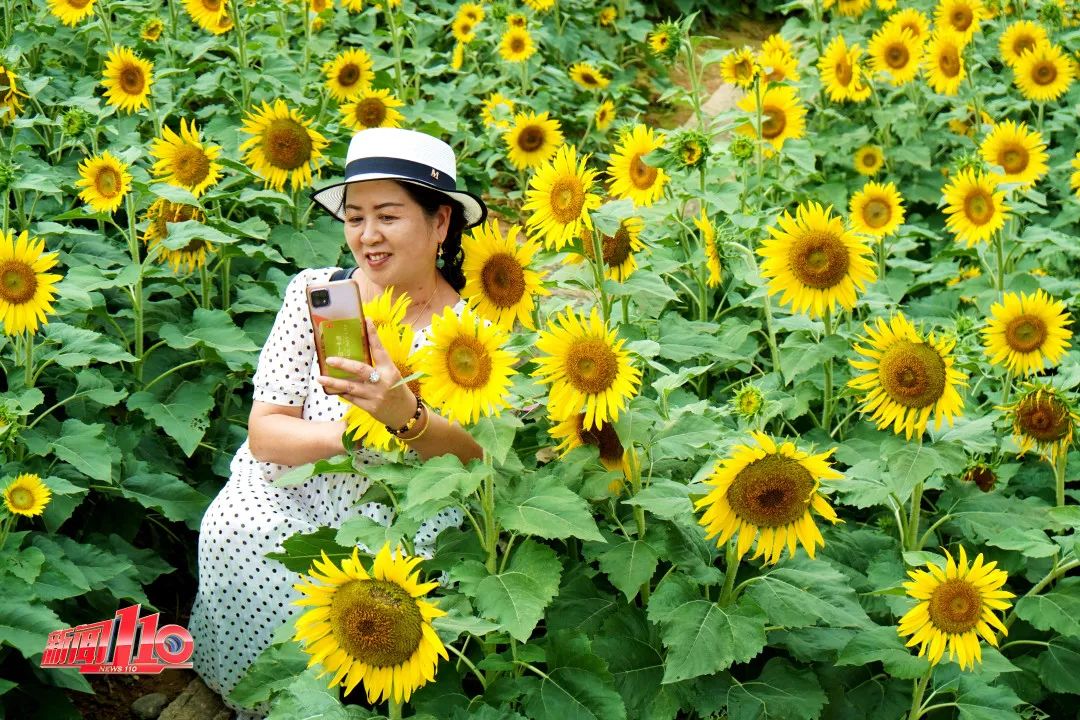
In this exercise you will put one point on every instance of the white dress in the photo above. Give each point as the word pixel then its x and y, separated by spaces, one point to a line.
pixel 243 597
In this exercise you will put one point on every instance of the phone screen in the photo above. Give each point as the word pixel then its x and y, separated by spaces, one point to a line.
pixel 342 338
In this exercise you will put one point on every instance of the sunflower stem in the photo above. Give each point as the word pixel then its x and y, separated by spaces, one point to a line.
pixel 999 242
pixel 28 361
pixel 1039 120
pixel 731 569
pixel 137 290
pixel 827 409
pixel 1060 463
pixel 103 15
pixel 912 539
pixel 395 40
pixel 226 269
pixel 1055 572
pixel 395 710
pixel 695 81
pixel 599 272
pixel 759 147
pixel 918 690
pixel 241 46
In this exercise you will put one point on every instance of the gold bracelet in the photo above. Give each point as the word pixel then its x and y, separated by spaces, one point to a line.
pixel 427 421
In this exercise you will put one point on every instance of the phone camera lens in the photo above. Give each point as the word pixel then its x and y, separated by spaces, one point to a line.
pixel 320 298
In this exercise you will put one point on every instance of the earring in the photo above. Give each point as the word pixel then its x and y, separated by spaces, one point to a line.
pixel 439 262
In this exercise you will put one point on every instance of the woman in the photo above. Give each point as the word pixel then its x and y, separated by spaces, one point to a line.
pixel 403 219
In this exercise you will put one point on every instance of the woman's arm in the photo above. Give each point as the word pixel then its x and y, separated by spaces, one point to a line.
pixel 278 434
pixel 440 436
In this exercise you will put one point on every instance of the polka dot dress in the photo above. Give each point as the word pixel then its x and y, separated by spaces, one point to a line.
pixel 242 596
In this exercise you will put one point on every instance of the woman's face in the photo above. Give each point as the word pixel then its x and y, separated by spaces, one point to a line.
pixel 393 240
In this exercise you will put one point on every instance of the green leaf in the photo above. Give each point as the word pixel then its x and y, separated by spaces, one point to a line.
pixel 495 434
pixel 318 246
pixel 909 466
pixel 884 645
pixel 546 508
pixel 805 592
pixel 516 599
pixel 634 658
pixel 148 563
pixel 60 578
pixel 27 626
pixel 628 565
pixel 1058 665
pixel 182 412
pixel 170 495
pixel 311 699
pixel 1032 543
pixel 97 566
pixel 1057 610
pixel 577 684
pixel 701 637
pixel 92 384
pixel 685 438
pixel 77 347
pixel 979 701
pixel 174 194
pixel 301 473
pixel 209 328
pixel 24 564
pixel 440 479
pixel 665 499
pixel 801 353
pixel 83 447
pixel 275 668
pixel 301 549
pixel 782 691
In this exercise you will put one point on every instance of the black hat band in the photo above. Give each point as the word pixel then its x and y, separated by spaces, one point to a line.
pixel 401 168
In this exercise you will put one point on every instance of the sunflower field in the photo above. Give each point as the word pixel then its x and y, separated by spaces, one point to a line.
pixel 778 400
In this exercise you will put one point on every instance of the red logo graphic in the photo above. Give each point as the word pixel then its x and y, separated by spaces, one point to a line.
pixel 126 644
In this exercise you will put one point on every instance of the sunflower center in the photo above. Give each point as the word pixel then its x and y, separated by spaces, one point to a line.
pixel 503 279
pixel 868 160
pixel 979 207
pixel 376 622
pixel 615 248
pixel 407 370
pixel 1044 419
pixel 371 112
pixel 531 138
pixel 18 282
pixel 643 176
pixel 819 259
pixel 591 366
pixel 773 122
pixel 77 4
pixel 194 246
pixel 132 80
pixel 468 363
pixel 517 44
pixel 897 56
pixel 961 18
pixel 913 374
pixel 949 62
pixel 955 606
pixel 877 213
pixel 744 70
pixel 1044 73
pixel 588 78
pixel 286 144
pixel 21 498
pixel 212 5
pixel 107 182
pixel 1013 159
pixel 567 199
pixel 691 154
pixel 349 74
pixel 1022 44
pixel 771 492
pixel 190 165
pixel 843 72
pixel 602 437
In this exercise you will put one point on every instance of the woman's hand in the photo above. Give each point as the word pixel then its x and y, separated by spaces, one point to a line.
pixel 392 406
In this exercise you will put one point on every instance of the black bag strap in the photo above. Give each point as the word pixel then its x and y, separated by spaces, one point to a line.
pixel 342 274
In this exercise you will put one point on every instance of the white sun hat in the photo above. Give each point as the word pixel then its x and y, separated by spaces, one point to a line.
pixel 406 155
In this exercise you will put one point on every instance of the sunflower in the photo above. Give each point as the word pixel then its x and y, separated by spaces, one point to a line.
pixel 629 176
pixel 496 110
pixel 516 45
pixel 1074 180
pixel 1027 332
pixel 1020 152
pixel 372 108
pixel 613 456
pixel 348 74
pixel 605 115
pixel 463 28
pixel 907 377
pixel 778 58
pixel 1019 38
pixel 26 289
pixel 471 10
pixel 877 209
pixel 588 369
pixel 71 12
pixel 158 216
pixel 560 200
pixel 283 145
pixel 712 253
pixel 956 606
pixel 105 180
pixel 533 139
pixel 886 5
pixel 151 29
pixel 960 17
pixel 397 340
pixel 588 77
pixel 383 309
pixel 975 211
pixel 500 285
pixel 467 371
pixel 814 261
pixel 841 73
pixel 540 5
pixel 353 6
pixel 607 15
pixel 869 160
pixel 690 148
pixel 374 628
pixel 849 8
pixel 660 41
pixel 944 63
pixel 765 491
pixel 1044 73
pixel 895 51
pixel 127 80
pixel 516 20
pixel 739 68
pixel 783 116
pixel 618 249
pixel 210 15
pixel 26 495
pixel 10 105
pixel 183 161
pixel 1043 420
pixel 913 20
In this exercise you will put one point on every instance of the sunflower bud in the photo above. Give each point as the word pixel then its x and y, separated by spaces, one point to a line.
pixel 969 161
pixel 666 39
pixel 151 29
pixel 691 148
pixel 748 401
pixel 7 174
pixel 1051 15
pixel 982 475
pixel 75 121
pixel 742 148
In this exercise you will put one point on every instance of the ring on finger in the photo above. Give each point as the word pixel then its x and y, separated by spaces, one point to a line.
pixel 374 377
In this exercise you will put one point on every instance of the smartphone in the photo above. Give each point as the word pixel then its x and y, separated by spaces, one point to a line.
pixel 337 317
